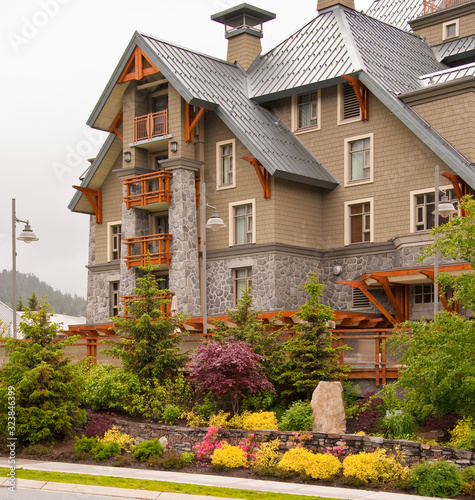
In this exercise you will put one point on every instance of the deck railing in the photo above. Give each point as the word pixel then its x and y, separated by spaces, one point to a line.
pixel 152 125
pixel 165 305
pixel 157 246
pixel 142 190
pixel 435 5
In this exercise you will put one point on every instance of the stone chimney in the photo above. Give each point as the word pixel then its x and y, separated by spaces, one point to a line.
pixel 324 4
pixel 243 30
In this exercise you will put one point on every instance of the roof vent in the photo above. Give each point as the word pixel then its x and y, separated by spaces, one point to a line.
pixel 324 4
pixel 243 30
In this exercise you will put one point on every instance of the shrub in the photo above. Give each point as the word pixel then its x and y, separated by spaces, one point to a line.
pixel 322 467
pixel 258 401
pixel 98 424
pixel 171 460
pixel 206 408
pixel 468 476
pixel 171 413
pixel 436 479
pixel 175 392
pixel 249 447
pixel 102 451
pixel 84 444
pixel 298 417
pixel 205 449
pixel 115 436
pixel 228 457
pixel 398 426
pixel 193 419
pixel 187 457
pixel 37 449
pixel 237 421
pixel 295 460
pixel 220 420
pixel 261 420
pixel 463 434
pixel 367 413
pixel 267 455
pixel 373 467
pixel 148 449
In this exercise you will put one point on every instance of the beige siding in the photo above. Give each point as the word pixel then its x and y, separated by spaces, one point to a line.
pixel 452 117
pixel 434 34
pixel 244 49
pixel 176 124
pixel 111 211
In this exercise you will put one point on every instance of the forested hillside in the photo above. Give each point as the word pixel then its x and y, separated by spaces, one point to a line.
pixel 27 284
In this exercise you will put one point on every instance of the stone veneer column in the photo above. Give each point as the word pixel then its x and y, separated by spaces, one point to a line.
pixel 91 261
pixel 184 274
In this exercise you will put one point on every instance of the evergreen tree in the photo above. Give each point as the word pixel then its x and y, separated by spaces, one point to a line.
pixel 20 306
pixel 311 356
pixel 33 304
pixel 149 346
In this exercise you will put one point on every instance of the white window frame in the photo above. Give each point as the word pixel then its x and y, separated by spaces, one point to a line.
pixel 247 279
pixel 340 108
pixel 412 205
pixel 295 111
pixel 347 223
pixel 109 240
pixel 114 298
pixel 231 221
pixel 347 175
pixel 219 173
pixel 445 26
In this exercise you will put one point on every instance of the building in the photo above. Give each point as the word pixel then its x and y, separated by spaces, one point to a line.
pixel 319 154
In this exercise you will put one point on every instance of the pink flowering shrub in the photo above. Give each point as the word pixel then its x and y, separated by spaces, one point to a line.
pixel 205 449
pixel 336 451
pixel 249 447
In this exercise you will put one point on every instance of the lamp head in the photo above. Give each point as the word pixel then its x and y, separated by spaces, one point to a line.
pixel 215 222
pixel 27 235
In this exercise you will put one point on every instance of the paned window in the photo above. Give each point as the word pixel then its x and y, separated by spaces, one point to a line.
pixel 359 160
pixel 243 224
pixel 115 240
pixel 424 205
pixel 307 110
pixel 114 298
pixel 242 281
pixel 424 294
pixel 358 221
pixel 450 29
pixel 225 164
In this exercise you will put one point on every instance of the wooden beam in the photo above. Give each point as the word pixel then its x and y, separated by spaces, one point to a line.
pixel 190 124
pixel 114 128
pixel 135 69
pixel 94 197
pixel 461 188
pixel 392 299
pixel 362 94
pixel 262 174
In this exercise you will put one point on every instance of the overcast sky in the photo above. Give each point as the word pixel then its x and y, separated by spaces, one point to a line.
pixel 57 56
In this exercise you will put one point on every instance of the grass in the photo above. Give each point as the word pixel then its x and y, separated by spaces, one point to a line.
pixel 149 485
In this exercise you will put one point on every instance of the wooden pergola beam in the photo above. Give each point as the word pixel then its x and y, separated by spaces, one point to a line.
pixel 94 197
pixel 262 174
pixel 392 299
pixel 362 94
pixel 190 124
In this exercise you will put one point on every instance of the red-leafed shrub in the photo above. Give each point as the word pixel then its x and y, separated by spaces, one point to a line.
pixel 227 369
pixel 98 424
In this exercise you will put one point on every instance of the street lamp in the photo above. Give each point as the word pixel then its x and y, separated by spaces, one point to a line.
pixel 214 223
pixel 27 235
pixel 443 209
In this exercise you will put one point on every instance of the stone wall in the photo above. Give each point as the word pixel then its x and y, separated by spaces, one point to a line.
pixel 183 439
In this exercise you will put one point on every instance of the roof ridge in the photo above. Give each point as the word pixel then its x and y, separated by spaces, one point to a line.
pixel 348 37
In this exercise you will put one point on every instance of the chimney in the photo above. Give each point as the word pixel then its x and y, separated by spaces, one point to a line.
pixel 243 30
pixel 324 4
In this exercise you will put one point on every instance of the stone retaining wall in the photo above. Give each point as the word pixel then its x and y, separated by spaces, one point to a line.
pixel 183 439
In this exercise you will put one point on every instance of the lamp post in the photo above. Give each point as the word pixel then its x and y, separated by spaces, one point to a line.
pixel 27 235
pixel 214 223
pixel 444 210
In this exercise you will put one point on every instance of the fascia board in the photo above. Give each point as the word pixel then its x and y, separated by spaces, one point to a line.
pixel 423 130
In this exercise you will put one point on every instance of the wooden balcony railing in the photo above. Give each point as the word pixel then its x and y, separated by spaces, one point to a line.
pixel 435 5
pixel 369 357
pixel 147 127
pixel 165 307
pixel 157 246
pixel 142 190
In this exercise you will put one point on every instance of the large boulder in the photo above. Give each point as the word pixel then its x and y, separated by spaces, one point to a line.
pixel 328 408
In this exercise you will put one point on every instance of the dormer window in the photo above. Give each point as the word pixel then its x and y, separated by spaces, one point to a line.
pixel 450 29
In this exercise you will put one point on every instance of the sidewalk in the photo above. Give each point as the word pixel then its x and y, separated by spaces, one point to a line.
pixel 179 477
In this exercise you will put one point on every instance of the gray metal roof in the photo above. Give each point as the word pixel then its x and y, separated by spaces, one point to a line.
pixel 396 12
pixel 223 87
pixel 456 49
pixel 449 74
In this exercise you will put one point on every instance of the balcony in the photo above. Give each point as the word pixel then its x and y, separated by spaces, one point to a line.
pixel 130 302
pixel 151 126
pixel 157 246
pixel 143 190
pixel 435 5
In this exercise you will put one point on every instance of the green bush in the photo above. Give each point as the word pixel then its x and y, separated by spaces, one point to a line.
pixel 102 451
pixel 298 417
pixel 463 434
pixel 148 449
pixel 171 414
pixel 187 457
pixel 468 476
pixel 84 444
pixel 171 460
pixel 398 426
pixel 436 479
pixel 176 392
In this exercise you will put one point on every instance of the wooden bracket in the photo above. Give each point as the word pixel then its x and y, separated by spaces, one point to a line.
pixel 137 67
pixel 362 94
pixel 192 121
pixel 114 128
pixel 391 297
pixel 461 188
pixel 94 197
pixel 262 174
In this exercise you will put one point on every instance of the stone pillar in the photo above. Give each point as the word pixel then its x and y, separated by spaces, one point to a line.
pixel 90 262
pixel 328 409
pixel 183 222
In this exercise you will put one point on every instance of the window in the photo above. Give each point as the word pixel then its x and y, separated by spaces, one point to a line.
pixel 243 223
pixel 422 206
pixel 348 105
pixel 359 299
pixel 424 294
pixel 359 160
pixel 359 221
pixel 306 114
pixel 114 298
pixel 242 281
pixel 450 29
pixel 225 164
pixel 114 240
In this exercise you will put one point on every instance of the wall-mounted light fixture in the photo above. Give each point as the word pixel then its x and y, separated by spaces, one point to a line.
pixel 173 146
pixel 127 156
